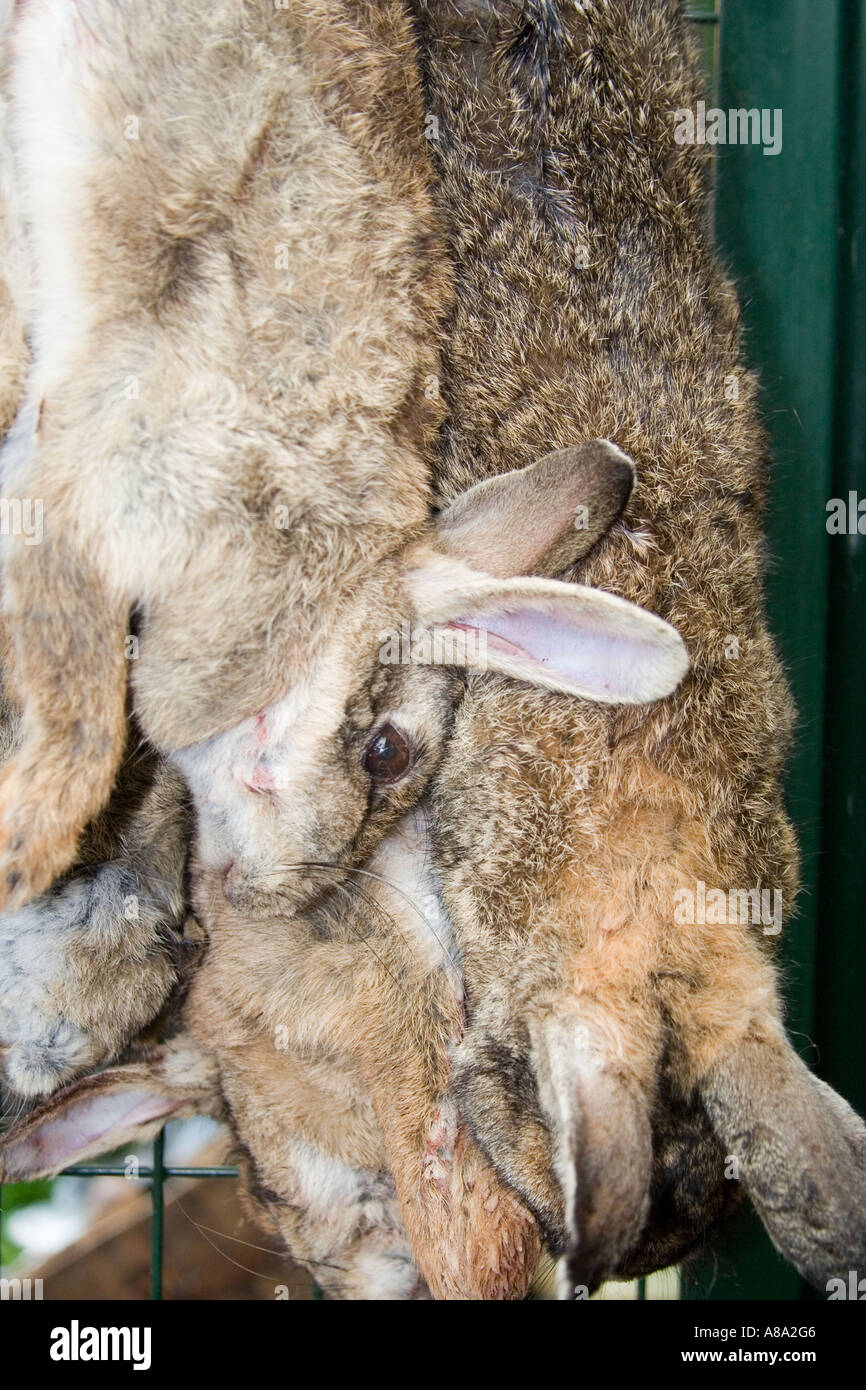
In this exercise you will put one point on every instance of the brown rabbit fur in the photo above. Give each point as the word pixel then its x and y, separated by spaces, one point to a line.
pixel 258 815
pixel 299 146
pixel 333 1031
pixel 87 964
pixel 564 833
pixel 324 1039
pixel 227 420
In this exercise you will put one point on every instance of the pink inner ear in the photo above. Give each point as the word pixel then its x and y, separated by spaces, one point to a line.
pixel 597 660
pixel 77 1128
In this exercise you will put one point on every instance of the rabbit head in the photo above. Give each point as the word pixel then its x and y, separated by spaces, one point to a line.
pixel 329 1041
pixel 368 725
pixel 326 1039
pixel 592 1004
pixel 351 1149
pixel 560 1045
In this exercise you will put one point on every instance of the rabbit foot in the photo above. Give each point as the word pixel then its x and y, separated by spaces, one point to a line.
pixel 82 969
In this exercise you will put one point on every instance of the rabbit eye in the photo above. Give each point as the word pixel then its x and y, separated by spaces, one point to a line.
pixel 389 754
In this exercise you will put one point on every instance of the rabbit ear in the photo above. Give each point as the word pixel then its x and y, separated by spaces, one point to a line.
pixel 123 1105
pixel 563 637
pixel 602 1146
pixel 801 1152
pixel 689 1190
pixel 495 1088
pixel 540 519
pixel 568 1127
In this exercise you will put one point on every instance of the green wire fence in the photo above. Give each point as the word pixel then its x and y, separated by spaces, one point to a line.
pixel 157 1172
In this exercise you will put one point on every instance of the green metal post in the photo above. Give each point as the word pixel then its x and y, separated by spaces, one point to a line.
pixel 157 1216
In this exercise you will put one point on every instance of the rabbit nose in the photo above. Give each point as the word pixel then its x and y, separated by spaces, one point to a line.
pixel 260 780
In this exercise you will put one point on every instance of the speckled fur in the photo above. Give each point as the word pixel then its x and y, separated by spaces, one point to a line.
pixel 589 301
pixel 88 964
pixel 227 419
pixel 240 314
pixel 353 1153
pixel 257 817
pixel 341 1011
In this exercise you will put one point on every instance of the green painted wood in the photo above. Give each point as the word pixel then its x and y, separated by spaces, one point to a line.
pixel 776 220
pixel 705 16
pixel 841 972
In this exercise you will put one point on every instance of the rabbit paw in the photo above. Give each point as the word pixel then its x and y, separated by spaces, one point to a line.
pixel 82 969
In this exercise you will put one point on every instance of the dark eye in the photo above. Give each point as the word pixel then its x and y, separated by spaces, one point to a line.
pixel 388 755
